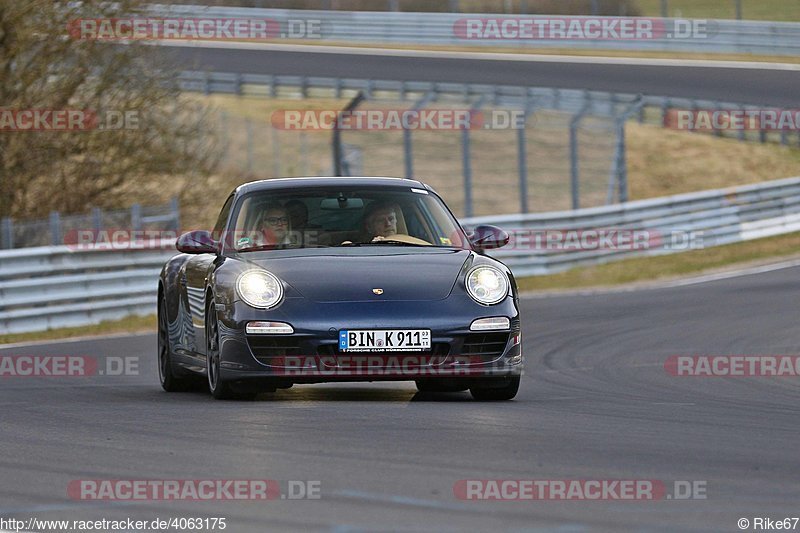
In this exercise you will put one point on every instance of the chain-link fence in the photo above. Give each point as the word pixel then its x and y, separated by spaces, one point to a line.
pixel 570 153
pixel 480 172
pixel 100 226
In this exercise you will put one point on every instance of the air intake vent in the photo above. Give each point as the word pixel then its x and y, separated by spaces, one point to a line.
pixel 485 344
pixel 266 348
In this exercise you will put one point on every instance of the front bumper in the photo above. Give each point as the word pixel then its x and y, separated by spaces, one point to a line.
pixel 311 354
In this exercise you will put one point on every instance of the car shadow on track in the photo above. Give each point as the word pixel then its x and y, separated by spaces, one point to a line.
pixel 337 394
pixel 347 394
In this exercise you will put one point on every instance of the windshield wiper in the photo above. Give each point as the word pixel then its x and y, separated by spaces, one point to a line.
pixel 260 247
pixel 399 243
pixel 382 243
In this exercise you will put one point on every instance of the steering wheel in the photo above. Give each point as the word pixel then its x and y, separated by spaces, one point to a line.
pixel 401 237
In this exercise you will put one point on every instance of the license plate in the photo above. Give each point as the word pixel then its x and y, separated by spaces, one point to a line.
pixel 384 340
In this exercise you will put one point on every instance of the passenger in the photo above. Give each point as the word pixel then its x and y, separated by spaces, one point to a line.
pixel 275 225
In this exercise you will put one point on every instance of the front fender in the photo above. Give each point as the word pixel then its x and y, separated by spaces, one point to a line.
pixel 170 280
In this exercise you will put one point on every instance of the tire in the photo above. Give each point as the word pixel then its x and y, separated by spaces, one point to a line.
pixel 219 389
pixel 431 385
pixel 171 380
pixel 496 394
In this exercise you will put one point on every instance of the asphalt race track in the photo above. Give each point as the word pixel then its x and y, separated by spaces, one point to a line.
pixel 740 85
pixel 596 403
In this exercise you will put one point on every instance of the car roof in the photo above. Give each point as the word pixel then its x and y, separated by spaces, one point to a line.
pixel 321 181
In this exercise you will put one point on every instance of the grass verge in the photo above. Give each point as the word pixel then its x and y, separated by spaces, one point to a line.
pixel 643 269
pixel 777 10
pixel 132 324
pixel 704 161
pixel 594 51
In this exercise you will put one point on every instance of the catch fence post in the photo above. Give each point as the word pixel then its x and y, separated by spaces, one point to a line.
pixel 522 157
pixel 7 233
pixel 408 149
pixel 573 152
pixel 136 217
pixel 466 158
pixel 55 228
pixel 97 219
pixel 249 142
pixel 176 213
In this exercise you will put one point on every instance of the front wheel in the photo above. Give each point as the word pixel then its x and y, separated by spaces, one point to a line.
pixel 219 388
pixel 493 391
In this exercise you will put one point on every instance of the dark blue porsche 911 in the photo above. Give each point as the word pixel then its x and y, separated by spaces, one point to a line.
pixel 309 280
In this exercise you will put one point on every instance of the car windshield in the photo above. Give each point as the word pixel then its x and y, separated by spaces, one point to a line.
pixel 343 216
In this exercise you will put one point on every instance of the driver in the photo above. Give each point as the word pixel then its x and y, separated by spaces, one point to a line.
pixel 380 220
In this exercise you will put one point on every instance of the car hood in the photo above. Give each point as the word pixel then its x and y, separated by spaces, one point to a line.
pixel 351 274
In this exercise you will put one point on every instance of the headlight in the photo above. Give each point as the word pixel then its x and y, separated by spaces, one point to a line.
pixel 487 285
pixel 259 288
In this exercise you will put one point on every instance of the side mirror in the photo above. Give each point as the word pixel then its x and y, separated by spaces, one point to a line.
pixel 488 237
pixel 197 242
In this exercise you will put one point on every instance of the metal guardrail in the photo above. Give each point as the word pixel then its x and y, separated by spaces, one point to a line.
pixel 723 36
pixel 276 86
pixel 51 287
pixel 717 217
pixel 61 286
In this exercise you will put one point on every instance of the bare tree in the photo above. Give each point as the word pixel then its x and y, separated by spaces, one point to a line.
pixel 156 135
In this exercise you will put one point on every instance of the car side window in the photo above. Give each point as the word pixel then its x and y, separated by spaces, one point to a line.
pixel 219 227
